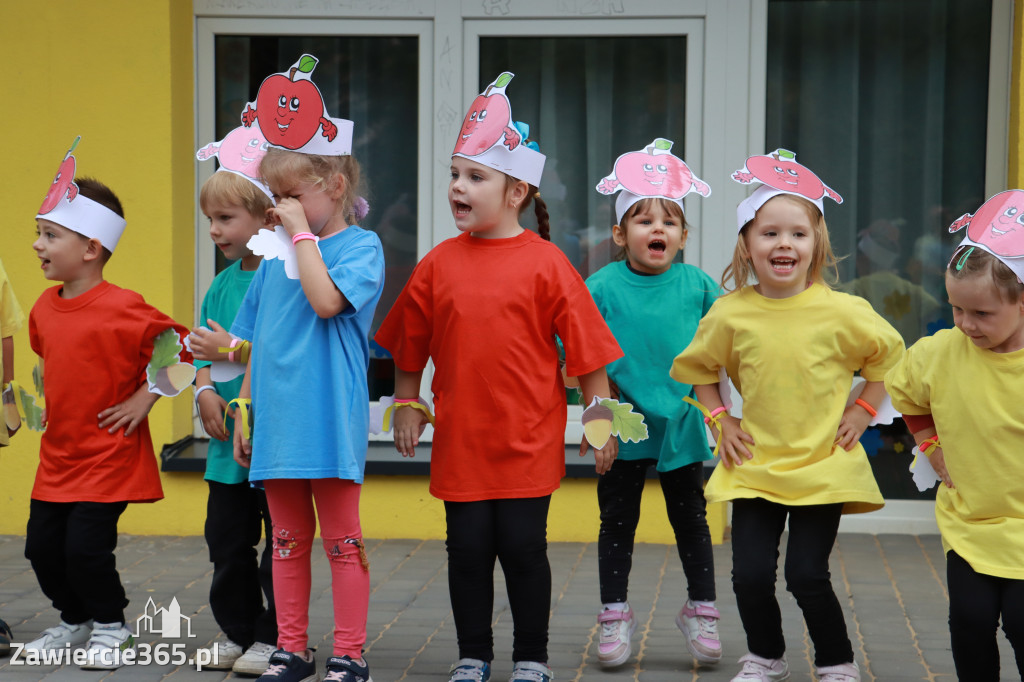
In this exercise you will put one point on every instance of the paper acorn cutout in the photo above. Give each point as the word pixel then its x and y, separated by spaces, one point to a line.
pixel 166 375
pixel 290 111
pixel 607 417
pixel 781 171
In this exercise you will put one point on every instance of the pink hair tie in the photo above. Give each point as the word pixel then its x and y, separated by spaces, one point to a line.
pixel 302 235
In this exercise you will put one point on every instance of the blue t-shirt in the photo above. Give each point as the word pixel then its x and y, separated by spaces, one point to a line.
pixel 309 392
pixel 654 318
pixel 221 304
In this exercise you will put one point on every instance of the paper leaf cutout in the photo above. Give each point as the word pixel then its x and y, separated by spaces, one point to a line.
pixel 20 405
pixel 923 473
pixel 220 370
pixel 606 417
pixel 277 244
pixel 37 378
pixel 11 416
pixel 166 375
pixel 886 412
pixel 307 63
pixel 377 413
pixel 33 413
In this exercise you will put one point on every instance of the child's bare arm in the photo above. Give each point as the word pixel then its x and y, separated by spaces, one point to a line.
pixel 856 418
pixel 936 457
pixel 206 342
pixel 128 413
pixel 408 423
pixel 8 351
pixel 595 384
pixel 734 440
pixel 211 406
pixel 321 291
pixel 241 446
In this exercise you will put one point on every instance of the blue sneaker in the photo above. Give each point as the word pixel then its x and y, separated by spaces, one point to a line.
pixel 531 671
pixel 344 669
pixel 470 670
pixel 285 666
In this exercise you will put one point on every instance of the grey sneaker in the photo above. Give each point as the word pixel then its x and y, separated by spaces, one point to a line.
pixel 60 635
pixel 255 660
pixel 222 655
pixel 531 671
pixel 470 670
pixel 107 646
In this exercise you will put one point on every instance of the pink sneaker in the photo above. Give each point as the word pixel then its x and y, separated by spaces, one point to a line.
pixel 757 669
pixel 617 627
pixel 700 626
pixel 847 672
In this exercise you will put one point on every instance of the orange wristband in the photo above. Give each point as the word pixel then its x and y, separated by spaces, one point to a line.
pixel 867 407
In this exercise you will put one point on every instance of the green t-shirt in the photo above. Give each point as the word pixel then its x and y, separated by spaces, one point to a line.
pixel 654 317
pixel 221 303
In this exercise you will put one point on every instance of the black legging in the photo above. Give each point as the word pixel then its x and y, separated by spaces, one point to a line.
pixel 757 527
pixel 514 532
pixel 618 495
pixel 976 602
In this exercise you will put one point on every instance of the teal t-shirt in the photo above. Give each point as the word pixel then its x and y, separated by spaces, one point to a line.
pixel 654 317
pixel 221 303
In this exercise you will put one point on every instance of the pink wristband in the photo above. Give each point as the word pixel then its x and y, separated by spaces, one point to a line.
pixel 405 401
pixel 231 353
pixel 714 413
pixel 302 235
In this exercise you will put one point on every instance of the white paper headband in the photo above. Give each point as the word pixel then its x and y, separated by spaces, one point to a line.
pixel 996 227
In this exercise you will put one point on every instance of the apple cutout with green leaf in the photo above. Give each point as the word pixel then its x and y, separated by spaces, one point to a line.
pixel 63 182
pixel 998 224
pixel 290 111
pixel 653 172
pixel 781 171
pixel 488 118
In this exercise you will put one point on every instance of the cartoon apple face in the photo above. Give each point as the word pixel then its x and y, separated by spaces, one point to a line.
pixel 999 224
pixel 289 110
pixel 242 150
pixel 646 174
pixel 484 124
pixel 786 175
pixel 62 183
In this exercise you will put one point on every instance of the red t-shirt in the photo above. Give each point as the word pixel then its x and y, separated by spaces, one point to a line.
pixel 95 348
pixel 487 311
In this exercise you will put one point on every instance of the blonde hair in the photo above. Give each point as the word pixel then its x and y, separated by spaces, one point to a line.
pixel 670 207
pixel 824 263
pixel 231 189
pixel 281 168
pixel 970 262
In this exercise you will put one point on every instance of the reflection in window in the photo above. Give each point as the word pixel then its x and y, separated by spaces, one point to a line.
pixel 888 102
pixel 372 81
pixel 588 100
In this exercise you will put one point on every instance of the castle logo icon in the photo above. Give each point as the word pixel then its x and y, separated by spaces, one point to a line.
pixel 166 622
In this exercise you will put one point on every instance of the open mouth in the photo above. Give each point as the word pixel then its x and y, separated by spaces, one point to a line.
pixel 783 264
pixel 461 209
pixel 998 233
pixel 283 127
pixel 656 246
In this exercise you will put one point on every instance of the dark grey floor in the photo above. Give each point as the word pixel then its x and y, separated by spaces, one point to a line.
pixel 892 588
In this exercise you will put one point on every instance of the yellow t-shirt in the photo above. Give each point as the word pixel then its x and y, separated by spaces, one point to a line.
pixel 11 319
pixel 975 397
pixel 793 361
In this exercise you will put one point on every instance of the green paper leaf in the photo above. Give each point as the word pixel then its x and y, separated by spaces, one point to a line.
pixel 662 143
pixel 33 413
pixel 786 154
pixel 628 425
pixel 307 63
pixel 37 379
pixel 503 80
pixel 75 144
pixel 166 349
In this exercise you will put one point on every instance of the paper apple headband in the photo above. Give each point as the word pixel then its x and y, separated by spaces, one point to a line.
pixel 489 136
pixel 781 174
pixel 290 112
pixel 240 153
pixel 66 207
pixel 996 227
pixel 649 173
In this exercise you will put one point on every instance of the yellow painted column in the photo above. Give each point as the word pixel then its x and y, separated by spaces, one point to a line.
pixel 1015 177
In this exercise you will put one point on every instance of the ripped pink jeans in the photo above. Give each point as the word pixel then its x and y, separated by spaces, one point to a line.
pixel 337 506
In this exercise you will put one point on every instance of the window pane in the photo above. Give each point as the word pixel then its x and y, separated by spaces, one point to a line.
pixel 372 81
pixel 588 100
pixel 887 101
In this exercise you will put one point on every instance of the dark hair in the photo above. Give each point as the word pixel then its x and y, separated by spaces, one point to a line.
pixel 93 189
pixel 668 206
pixel 540 209
pixel 969 262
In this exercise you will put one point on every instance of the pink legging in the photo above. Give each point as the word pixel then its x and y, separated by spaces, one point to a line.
pixel 337 506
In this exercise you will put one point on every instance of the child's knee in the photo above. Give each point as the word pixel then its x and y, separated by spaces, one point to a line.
pixel 289 544
pixel 346 551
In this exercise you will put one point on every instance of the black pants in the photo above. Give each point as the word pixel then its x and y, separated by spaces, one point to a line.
pixel 71 548
pixel 976 602
pixel 236 516
pixel 515 533
pixel 757 527
pixel 618 495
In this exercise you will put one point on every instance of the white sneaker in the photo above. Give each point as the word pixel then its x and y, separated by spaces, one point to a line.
pixel 699 624
pixel 222 655
pixel 107 646
pixel 255 660
pixel 847 672
pixel 59 636
pixel 757 669
pixel 617 627
pixel 531 671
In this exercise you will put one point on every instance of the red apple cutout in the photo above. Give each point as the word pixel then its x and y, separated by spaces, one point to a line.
pixel 289 111
pixel 653 172
pixel 63 182
pixel 998 225
pixel 488 118
pixel 781 171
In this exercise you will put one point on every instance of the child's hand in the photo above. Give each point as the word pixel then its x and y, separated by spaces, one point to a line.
pixel 241 446
pixel 851 426
pixel 211 412
pixel 205 342
pixel 289 214
pixel 130 413
pixel 733 449
pixel 938 462
pixel 408 427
